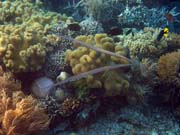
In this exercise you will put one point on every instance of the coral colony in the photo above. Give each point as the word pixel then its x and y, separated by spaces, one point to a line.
pixel 68 65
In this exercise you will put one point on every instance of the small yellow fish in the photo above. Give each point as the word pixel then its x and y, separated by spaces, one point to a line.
pixel 166 31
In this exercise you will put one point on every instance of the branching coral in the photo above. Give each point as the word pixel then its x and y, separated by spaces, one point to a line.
pixel 168 68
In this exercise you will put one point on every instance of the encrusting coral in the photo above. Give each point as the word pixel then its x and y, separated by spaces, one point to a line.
pixel 168 68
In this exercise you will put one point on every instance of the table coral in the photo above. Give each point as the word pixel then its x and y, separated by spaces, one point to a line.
pixel 168 68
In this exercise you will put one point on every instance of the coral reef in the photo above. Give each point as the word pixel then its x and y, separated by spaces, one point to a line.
pixel 91 26
pixel 168 68
pixel 55 59
pixel 19 114
pixel 115 84
pixel 103 11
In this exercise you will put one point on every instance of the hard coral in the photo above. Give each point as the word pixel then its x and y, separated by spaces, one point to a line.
pixel 168 68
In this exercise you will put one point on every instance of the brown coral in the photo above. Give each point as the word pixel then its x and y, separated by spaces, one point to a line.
pixel 27 118
pixel 7 82
pixel 69 106
pixel 168 67
pixel 21 115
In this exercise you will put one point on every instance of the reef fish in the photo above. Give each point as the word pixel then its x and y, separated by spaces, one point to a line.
pixel 115 31
pixel 74 27
pixel 162 33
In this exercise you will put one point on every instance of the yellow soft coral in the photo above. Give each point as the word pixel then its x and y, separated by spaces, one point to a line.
pixel 19 11
pixel 114 84
pixel 21 49
pixel 24 34
pixel 83 59
pixel 168 68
